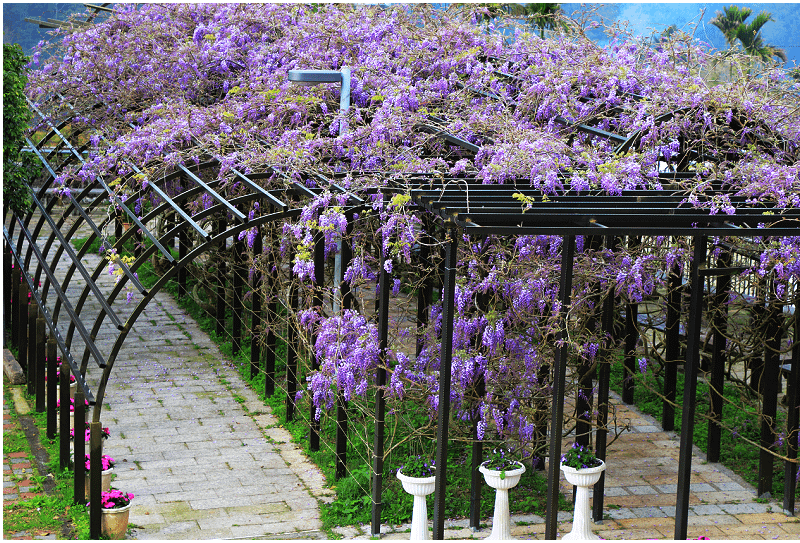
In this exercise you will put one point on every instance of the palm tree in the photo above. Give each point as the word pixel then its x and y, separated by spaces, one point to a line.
pixel 544 15
pixel 541 15
pixel 730 21
pixel 733 27
pixel 750 36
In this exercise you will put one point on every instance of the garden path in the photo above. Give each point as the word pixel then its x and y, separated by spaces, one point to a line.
pixel 203 456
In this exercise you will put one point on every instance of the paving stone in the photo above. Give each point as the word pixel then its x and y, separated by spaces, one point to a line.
pixel 640 490
pixel 707 509
pixel 648 512
pixel 729 486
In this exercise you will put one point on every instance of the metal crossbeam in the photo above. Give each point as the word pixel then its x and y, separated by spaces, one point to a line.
pixel 64 300
pixel 52 325
pixel 78 264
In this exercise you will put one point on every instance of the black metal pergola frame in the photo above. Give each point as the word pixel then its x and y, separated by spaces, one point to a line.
pixel 30 320
pixel 468 207
pixel 462 205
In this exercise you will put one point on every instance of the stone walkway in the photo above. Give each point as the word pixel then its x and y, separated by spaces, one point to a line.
pixel 200 452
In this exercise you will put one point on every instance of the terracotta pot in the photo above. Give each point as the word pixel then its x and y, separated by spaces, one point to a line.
pixel 114 522
pixel 419 487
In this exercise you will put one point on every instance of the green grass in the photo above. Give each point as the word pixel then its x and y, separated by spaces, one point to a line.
pixel 43 514
pixel 739 415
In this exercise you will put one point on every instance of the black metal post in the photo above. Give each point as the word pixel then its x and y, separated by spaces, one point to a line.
pixel 8 276
pixel 22 327
pixel 718 357
pixel 183 271
pixel 271 321
pixel 559 383
pixel 52 388
pixel 476 478
pixel 79 442
pixel 319 286
pixel 41 363
pixel 95 482
pixel 757 318
pixel 770 386
pixel 15 303
pixel 790 468
pixel 257 322
pixel 425 293
pixel 631 339
pixel 291 352
pixel 672 337
pixel 341 404
pixel 33 314
pixel 63 416
pixel 380 401
pixel 603 381
pixel 691 366
pixel 445 369
pixel 237 305
pixel 221 276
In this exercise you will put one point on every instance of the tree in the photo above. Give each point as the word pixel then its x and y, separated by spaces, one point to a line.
pixel 750 36
pixel 733 26
pixel 730 21
pixel 544 15
pixel 541 15
pixel 16 116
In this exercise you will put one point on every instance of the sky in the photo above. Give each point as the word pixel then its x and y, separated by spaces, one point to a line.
pixel 644 19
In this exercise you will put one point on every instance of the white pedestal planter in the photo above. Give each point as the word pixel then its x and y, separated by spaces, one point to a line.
pixel 419 487
pixel 583 479
pixel 501 524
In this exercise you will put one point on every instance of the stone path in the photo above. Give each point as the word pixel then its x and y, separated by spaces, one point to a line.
pixel 200 452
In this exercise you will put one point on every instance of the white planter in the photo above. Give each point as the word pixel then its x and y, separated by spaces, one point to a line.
pixel 582 479
pixel 501 524
pixel 419 487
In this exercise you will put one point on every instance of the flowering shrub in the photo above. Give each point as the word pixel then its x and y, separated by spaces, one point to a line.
pixel 418 466
pixel 580 457
pixel 500 460
pixel 71 404
pixel 114 499
pixel 106 462
pixel 104 433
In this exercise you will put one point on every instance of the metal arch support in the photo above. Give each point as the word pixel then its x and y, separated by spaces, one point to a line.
pixel 51 323
pixel 169 274
pixel 559 383
pixel 636 137
pixel 445 370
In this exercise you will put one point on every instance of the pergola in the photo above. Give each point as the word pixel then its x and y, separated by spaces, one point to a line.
pixel 461 205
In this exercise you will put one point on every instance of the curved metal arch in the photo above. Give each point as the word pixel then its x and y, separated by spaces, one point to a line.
pixel 29 215
pixel 208 242
pixel 55 130
pixel 163 279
